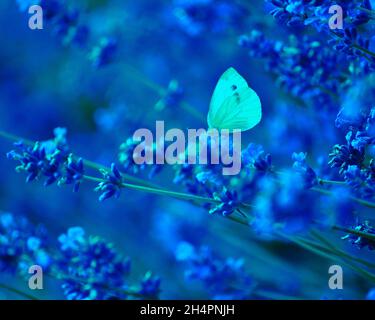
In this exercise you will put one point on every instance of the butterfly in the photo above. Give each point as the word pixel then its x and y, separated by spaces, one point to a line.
pixel 234 105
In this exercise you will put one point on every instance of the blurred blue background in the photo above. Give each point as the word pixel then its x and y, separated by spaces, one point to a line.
pixel 56 77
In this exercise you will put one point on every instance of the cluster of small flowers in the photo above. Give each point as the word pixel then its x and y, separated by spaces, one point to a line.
pixel 302 66
pixel 350 158
pixel 172 97
pixel 197 17
pixel 295 13
pixel 283 204
pixel 51 160
pixel 111 185
pixel 21 245
pixel 88 267
pixel 316 12
pixel 223 278
pixel 301 166
pixel 207 180
pixel 126 159
pixel 64 19
pixel 93 270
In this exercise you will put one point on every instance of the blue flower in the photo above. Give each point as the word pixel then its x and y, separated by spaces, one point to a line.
pixel 103 53
pixel 253 157
pixel 21 245
pixel 172 97
pixel 72 239
pixel 228 203
pixel 112 184
pixel 343 156
pixel 196 17
pixel 91 268
pixel 51 160
pixel 283 205
pixel 150 285
pixel 74 172
pixel 360 241
pixel 223 278
pixel 301 166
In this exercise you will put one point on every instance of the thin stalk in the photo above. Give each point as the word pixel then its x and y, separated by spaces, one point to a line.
pixel 19 292
pixel 365 203
pixel 368 236
pixel 357 46
pixel 159 90
pixel 364 50
pixel 274 295
pixel 173 194
pixel 159 191
pixel 88 163
pixel 308 245
pixel 326 242
pixel 331 182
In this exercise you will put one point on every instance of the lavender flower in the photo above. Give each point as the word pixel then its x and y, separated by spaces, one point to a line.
pixel 222 278
pixel 359 241
pixel 112 184
pixel 21 245
pixel 103 53
pixel 91 269
pixel 301 166
pixel 51 160
pixel 228 203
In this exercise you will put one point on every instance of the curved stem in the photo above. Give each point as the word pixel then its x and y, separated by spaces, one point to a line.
pixel 326 242
pixel 331 182
pixel 87 163
pixel 322 251
pixel 365 203
pixel 19 292
pixel 364 50
pixel 370 12
pixel 137 75
pixel 368 236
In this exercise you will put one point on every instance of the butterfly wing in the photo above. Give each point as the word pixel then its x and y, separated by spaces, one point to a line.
pixel 234 105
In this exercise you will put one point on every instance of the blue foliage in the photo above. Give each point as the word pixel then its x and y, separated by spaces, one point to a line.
pixel 104 69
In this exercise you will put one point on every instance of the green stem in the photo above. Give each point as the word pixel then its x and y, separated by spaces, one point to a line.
pixel 357 46
pixel 364 50
pixel 87 163
pixel 173 194
pixel 365 203
pixel 163 192
pixel 19 292
pixel 14 138
pixel 136 74
pixel 274 295
pixel 370 12
pixel 331 182
pixel 326 242
pixel 368 236
pixel 321 251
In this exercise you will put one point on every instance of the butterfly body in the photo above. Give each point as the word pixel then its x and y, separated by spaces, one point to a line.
pixel 234 105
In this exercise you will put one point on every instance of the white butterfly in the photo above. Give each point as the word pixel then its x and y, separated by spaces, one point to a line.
pixel 234 105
